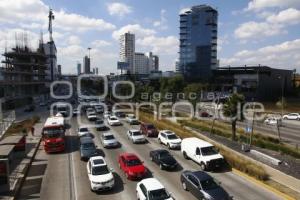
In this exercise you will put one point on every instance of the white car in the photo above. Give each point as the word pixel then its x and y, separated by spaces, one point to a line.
pixel 292 116
pixel 151 188
pixel 106 114
pixel 131 119
pixel 272 121
pixel 92 117
pixel 101 178
pixel 136 136
pixel 169 138
pixel 83 130
pixel 108 140
pixel 113 121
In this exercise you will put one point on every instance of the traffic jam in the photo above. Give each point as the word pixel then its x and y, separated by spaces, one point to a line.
pixel 101 176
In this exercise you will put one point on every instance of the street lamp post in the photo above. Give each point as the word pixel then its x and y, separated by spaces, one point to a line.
pixel 282 93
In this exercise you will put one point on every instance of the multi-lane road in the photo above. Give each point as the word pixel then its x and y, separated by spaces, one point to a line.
pixel 289 131
pixel 65 175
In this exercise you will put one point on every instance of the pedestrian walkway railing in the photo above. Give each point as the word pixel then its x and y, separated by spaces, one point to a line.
pixel 6 121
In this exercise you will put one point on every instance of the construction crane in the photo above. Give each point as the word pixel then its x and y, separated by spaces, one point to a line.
pixel 51 17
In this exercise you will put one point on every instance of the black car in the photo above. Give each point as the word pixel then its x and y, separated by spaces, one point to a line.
pixel 203 186
pixel 120 114
pixel 29 108
pixel 163 158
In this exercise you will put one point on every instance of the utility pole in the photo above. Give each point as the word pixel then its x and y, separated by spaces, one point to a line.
pixel 51 17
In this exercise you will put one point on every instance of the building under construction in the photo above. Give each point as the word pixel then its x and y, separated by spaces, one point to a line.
pixel 23 75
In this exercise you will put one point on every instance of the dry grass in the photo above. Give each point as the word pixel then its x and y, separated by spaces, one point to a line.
pixel 23 126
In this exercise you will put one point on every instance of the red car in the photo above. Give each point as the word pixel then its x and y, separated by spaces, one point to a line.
pixel 149 130
pixel 132 166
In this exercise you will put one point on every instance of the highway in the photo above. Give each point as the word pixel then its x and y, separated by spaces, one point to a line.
pixel 289 131
pixel 65 176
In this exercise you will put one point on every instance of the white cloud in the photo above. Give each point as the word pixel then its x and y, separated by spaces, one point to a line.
pixel 183 10
pixel 162 23
pixel 133 28
pixel 73 40
pixel 160 45
pixel 254 29
pixel 20 10
pixel 258 5
pixel 118 9
pixel 283 55
pixel 34 14
pixel 100 43
pixel 288 16
pixel 72 21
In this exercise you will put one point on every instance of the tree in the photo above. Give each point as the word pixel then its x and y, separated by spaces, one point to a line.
pixel 173 85
pixel 232 109
pixel 193 88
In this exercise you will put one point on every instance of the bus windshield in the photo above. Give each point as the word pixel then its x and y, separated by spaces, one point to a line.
pixel 52 133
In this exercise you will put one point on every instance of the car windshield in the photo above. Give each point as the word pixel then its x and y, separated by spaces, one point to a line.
pixel 159 194
pixel 136 133
pixel 83 130
pixel 164 154
pixel 207 151
pixel 99 122
pixel 109 137
pixel 88 146
pixel 133 162
pixel 150 126
pixel 113 118
pixel 172 137
pixel 209 184
pixel 52 133
pixel 100 170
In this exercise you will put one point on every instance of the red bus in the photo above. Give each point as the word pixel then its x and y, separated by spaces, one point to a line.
pixel 54 134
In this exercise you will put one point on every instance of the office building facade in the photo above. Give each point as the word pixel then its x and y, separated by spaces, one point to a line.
pixel 78 68
pixel 86 65
pixel 127 51
pixel 198 42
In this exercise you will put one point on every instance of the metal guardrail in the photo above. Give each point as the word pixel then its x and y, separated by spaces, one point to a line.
pixel 6 121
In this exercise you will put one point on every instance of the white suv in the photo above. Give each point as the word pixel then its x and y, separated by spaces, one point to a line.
pixel 136 136
pixel 83 130
pixel 101 178
pixel 169 138
pixel 292 116
pixel 151 188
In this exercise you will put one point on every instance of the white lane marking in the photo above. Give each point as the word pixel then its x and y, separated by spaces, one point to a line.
pixel 73 168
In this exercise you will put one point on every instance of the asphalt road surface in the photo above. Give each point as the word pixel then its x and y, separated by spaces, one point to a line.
pixel 65 177
pixel 289 132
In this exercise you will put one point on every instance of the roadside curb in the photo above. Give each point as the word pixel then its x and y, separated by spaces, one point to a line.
pixel 262 184
pixel 23 177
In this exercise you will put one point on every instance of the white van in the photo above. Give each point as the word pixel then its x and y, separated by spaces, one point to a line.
pixel 202 152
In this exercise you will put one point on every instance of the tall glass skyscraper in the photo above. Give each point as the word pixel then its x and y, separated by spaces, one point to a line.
pixel 198 42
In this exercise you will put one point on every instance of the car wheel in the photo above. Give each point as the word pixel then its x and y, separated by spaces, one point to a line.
pixel 184 186
pixel 161 166
pixel 159 141
pixel 185 156
pixel 203 166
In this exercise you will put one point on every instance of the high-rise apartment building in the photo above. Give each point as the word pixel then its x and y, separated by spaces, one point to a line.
pixel 198 42
pixel 127 51
pixel 78 68
pixel 86 65
pixel 141 63
pixel 153 62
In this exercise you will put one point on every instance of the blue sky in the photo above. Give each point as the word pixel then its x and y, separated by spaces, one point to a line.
pixel 250 32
